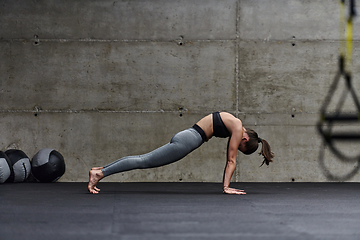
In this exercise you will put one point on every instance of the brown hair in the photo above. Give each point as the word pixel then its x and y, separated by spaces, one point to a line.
pixel 253 144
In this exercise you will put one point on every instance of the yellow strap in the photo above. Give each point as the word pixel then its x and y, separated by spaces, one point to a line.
pixel 346 30
pixel 349 33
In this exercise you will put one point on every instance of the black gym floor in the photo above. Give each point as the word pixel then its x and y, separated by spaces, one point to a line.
pixel 180 211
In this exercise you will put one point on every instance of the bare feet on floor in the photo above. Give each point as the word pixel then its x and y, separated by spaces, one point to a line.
pixel 95 175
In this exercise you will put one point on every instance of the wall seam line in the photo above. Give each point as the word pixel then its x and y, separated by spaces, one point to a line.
pixel 237 173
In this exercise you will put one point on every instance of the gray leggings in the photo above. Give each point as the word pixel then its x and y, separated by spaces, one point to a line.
pixel 180 145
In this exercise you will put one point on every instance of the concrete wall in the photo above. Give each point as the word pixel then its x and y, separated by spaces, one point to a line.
pixel 98 80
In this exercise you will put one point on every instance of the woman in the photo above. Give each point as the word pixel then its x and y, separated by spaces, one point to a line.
pixel 218 124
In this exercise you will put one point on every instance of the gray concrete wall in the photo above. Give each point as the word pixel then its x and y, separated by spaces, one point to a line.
pixel 98 80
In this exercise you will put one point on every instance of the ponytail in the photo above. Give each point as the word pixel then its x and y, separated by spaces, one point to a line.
pixel 253 144
pixel 266 152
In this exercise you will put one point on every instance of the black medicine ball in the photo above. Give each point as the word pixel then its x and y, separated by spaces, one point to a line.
pixel 48 165
pixel 20 165
pixel 5 167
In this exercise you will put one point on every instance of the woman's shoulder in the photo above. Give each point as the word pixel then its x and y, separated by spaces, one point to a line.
pixel 230 120
pixel 228 116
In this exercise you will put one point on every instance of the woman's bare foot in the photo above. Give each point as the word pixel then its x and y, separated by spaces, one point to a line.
pixel 95 175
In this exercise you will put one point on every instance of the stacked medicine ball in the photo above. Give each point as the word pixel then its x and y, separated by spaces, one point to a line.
pixel 47 165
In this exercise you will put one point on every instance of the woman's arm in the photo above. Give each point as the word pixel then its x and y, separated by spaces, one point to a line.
pixel 230 162
pixel 233 144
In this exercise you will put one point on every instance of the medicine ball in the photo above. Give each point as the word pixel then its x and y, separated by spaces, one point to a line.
pixel 48 165
pixel 5 165
pixel 20 163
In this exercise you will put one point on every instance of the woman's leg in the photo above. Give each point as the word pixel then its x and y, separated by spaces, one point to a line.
pixel 180 145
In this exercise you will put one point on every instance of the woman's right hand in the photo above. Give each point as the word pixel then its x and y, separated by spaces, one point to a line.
pixel 228 190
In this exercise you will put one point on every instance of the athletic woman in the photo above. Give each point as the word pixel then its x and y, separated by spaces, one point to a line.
pixel 218 124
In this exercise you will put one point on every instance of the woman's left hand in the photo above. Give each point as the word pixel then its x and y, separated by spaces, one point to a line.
pixel 228 190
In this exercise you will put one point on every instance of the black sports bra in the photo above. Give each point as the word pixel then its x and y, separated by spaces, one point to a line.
pixel 219 127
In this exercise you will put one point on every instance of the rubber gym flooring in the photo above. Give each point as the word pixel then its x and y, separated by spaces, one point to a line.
pixel 179 211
